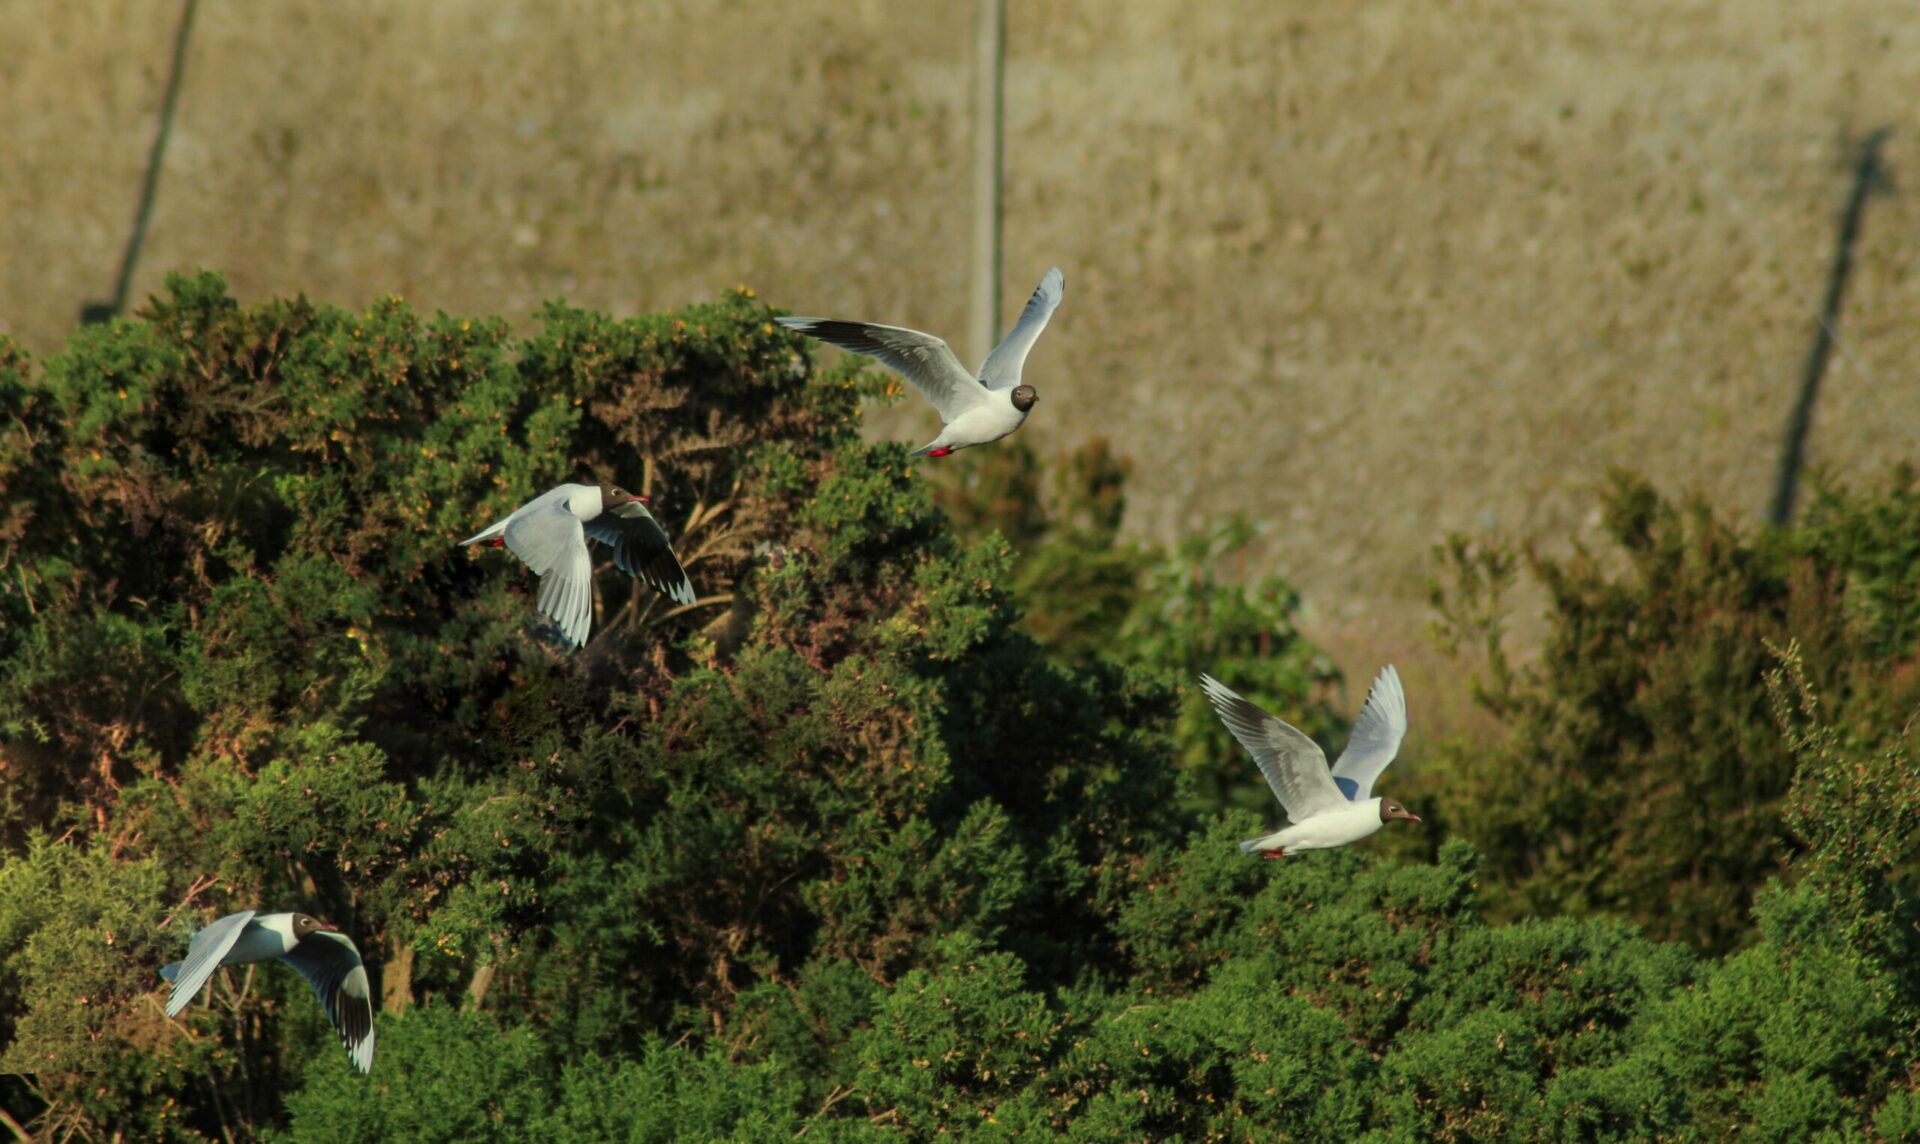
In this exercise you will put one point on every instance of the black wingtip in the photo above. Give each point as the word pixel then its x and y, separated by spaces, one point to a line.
pixel 851 336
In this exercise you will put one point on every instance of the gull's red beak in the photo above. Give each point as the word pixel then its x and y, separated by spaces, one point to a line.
pixel 643 500
pixel 1412 817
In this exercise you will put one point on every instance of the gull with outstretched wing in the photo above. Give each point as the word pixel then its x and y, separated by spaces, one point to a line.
pixel 975 410
pixel 1327 807
pixel 549 533
pixel 323 955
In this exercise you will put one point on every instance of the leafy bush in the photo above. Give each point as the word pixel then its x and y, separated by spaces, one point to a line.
pixel 903 830
pixel 1640 773
pixel 1087 593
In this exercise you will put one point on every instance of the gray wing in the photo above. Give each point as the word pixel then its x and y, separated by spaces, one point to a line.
pixel 1376 736
pixel 1295 766
pixel 922 359
pixel 553 544
pixel 331 964
pixel 1002 368
pixel 204 954
pixel 641 550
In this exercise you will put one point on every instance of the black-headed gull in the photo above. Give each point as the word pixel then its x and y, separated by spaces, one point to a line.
pixel 1326 808
pixel 975 410
pixel 550 534
pixel 324 956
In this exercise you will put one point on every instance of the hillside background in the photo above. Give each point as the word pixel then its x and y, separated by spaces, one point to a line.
pixel 1365 273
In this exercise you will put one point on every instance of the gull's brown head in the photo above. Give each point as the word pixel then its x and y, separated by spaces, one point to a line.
pixel 1390 810
pixel 619 501
pixel 1024 396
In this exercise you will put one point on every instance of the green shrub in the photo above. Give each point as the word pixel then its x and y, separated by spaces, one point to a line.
pixel 1639 773
pixel 908 829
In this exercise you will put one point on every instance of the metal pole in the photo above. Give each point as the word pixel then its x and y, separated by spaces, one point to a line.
pixel 989 74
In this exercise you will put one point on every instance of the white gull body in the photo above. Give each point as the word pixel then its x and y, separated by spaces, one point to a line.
pixel 550 534
pixel 975 410
pixel 327 958
pixel 1327 807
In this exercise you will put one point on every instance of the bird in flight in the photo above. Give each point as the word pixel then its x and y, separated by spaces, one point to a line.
pixel 550 534
pixel 1327 807
pixel 323 955
pixel 974 410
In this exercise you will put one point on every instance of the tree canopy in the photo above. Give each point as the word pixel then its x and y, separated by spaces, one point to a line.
pixel 911 825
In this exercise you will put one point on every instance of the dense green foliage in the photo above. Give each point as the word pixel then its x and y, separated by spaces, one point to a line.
pixel 1656 782
pixel 905 829
pixel 1086 592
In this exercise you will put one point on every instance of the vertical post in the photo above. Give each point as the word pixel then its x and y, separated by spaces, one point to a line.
pixel 94 313
pixel 1866 177
pixel 989 72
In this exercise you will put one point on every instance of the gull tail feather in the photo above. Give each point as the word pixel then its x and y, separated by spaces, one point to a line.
pixel 488 533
